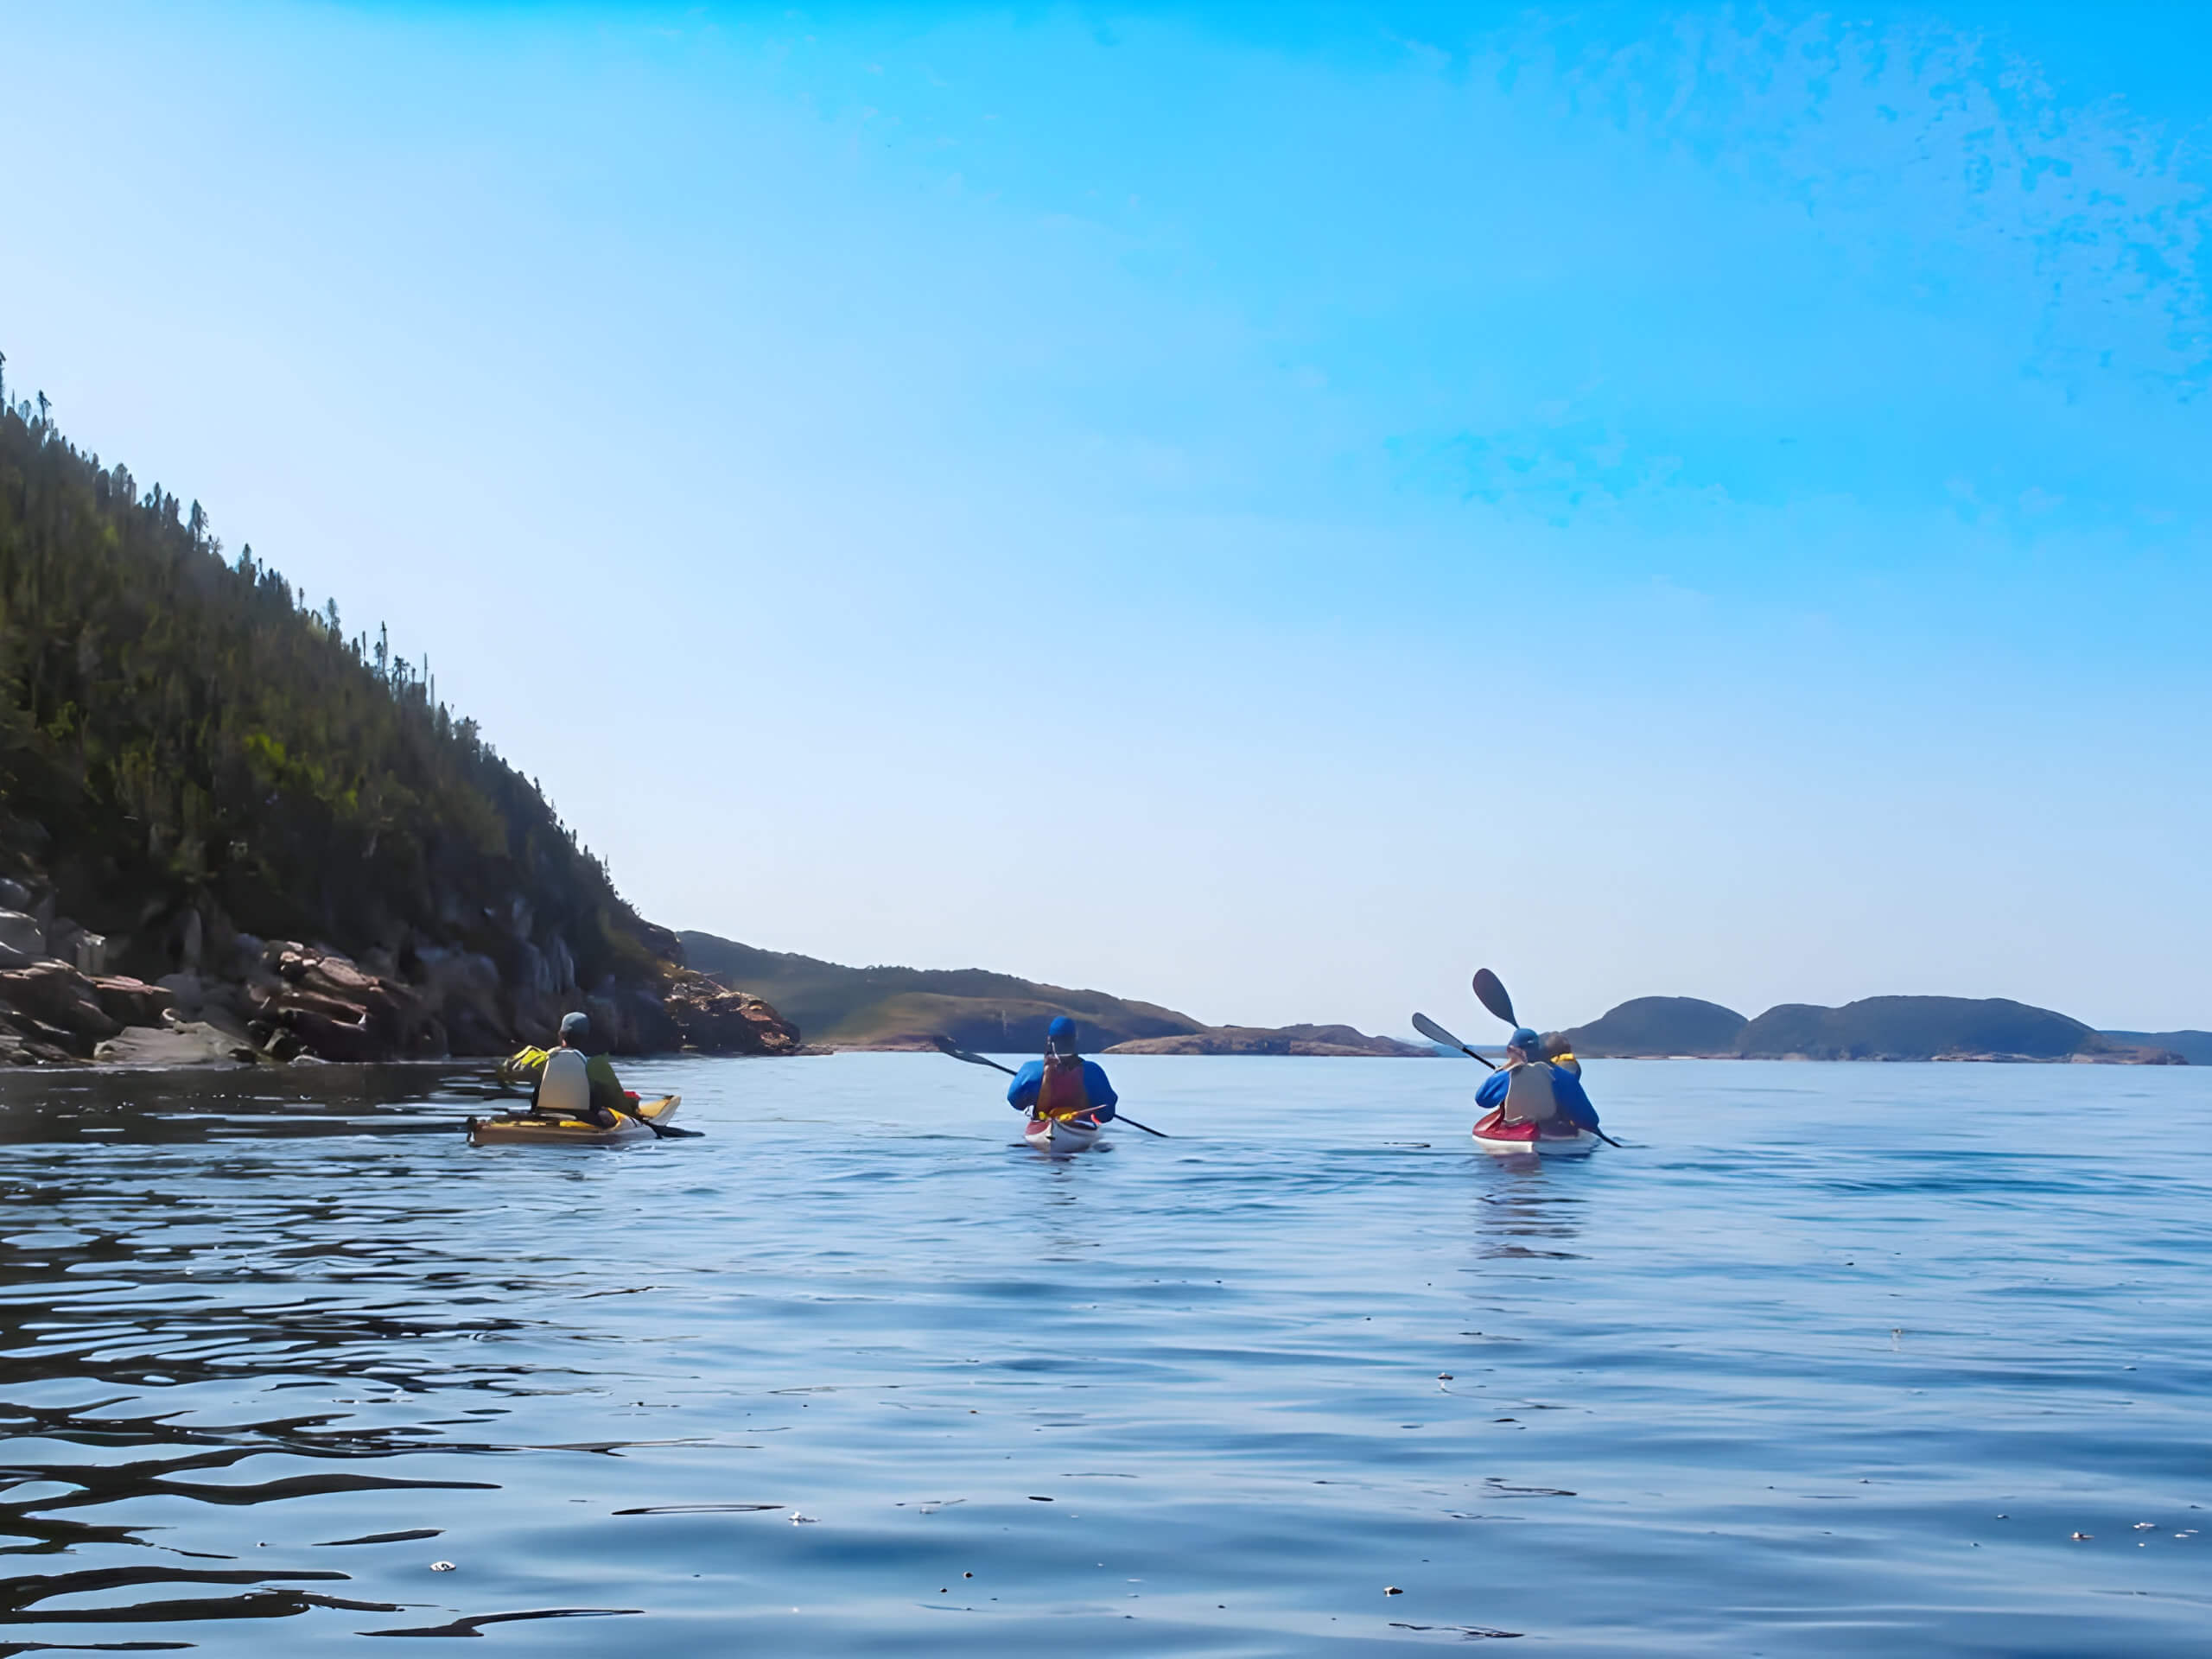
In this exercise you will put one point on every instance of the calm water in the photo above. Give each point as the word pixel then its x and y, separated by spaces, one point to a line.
pixel 1833 1359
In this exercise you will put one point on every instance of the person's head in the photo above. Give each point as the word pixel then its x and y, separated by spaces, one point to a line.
pixel 1060 1038
pixel 1524 1044
pixel 1557 1045
pixel 575 1028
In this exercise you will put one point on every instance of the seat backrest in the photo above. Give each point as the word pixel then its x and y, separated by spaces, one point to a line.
pixel 1528 1097
pixel 566 1089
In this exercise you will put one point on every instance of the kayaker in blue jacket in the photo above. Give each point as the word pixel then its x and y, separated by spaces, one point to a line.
pixel 1533 1090
pixel 1063 1083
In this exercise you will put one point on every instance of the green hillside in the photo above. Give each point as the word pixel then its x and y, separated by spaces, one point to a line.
pixel 189 750
pixel 859 1007
pixel 1922 1028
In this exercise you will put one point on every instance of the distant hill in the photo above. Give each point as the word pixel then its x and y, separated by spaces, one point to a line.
pixel 1877 1028
pixel 902 1007
pixel 1927 1028
pixel 2195 1046
pixel 1314 1040
pixel 1651 1026
pixel 899 1008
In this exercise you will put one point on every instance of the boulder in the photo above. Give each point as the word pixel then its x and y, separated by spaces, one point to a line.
pixel 133 1002
pixel 193 1043
pixel 335 979
pixel 24 1041
pixel 711 1019
pixel 333 1040
pixel 59 995
pixel 315 1000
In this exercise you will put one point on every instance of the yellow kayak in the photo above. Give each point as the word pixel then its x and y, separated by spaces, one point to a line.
pixel 530 1130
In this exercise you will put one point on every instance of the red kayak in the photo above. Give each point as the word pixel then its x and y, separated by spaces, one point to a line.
pixel 1557 1139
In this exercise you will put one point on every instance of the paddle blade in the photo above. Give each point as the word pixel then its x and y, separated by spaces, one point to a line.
pixel 1491 995
pixel 1435 1033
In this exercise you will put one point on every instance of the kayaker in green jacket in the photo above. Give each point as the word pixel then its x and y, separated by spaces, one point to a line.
pixel 576 1085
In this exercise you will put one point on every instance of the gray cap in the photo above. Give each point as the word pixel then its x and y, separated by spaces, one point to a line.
pixel 576 1025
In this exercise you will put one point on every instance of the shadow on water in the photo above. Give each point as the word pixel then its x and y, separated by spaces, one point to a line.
pixel 152 1107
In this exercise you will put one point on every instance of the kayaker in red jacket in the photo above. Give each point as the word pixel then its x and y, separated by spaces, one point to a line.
pixel 1063 1083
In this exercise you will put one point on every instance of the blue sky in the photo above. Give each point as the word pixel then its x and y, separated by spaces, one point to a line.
pixel 1264 512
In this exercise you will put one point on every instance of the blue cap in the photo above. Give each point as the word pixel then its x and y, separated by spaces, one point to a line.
pixel 1061 1031
pixel 1527 1041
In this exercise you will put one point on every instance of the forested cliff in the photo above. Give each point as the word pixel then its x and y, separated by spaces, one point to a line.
pixel 198 766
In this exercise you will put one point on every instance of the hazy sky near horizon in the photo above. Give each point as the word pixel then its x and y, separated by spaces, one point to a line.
pixel 1264 511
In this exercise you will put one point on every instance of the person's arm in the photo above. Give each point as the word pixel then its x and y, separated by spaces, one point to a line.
pixel 1021 1093
pixel 605 1087
pixel 1492 1093
pixel 1099 1091
pixel 1573 1100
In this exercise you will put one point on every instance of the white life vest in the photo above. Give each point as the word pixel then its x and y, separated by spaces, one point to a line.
pixel 565 1090
pixel 1528 1097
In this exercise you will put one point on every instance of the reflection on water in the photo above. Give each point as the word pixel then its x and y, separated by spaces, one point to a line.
pixel 1534 1212
pixel 284 1358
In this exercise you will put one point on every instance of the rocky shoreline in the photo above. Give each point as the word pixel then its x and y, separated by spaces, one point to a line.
pixel 251 1000
pixel 1330 1042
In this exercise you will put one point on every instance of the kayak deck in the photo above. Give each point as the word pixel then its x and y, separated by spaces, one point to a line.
pixel 533 1129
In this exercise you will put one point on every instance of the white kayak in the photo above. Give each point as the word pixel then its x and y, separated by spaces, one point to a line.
pixel 1074 1133
pixel 1553 1140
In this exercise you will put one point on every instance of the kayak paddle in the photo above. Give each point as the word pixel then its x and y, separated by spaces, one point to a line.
pixel 666 1131
pixel 1436 1034
pixel 946 1046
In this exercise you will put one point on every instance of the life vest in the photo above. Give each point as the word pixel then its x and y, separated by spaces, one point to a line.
pixel 1528 1097
pixel 565 1090
pixel 1061 1091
